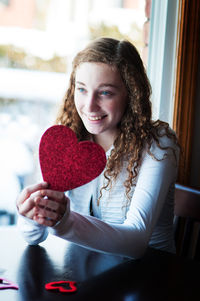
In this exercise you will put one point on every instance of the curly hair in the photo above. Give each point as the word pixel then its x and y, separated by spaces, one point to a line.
pixel 137 131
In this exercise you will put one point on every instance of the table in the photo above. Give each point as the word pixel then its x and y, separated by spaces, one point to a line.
pixel 157 276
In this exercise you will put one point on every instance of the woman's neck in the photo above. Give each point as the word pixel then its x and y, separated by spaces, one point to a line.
pixel 103 140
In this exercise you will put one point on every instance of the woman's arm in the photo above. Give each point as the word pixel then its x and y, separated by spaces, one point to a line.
pixel 132 237
pixel 32 232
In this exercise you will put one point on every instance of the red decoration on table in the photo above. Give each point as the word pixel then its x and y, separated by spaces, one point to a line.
pixel 67 164
pixel 57 285
pixel 7 284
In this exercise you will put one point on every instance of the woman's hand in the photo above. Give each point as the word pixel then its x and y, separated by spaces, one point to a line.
pixel 50 207
pixel 41 204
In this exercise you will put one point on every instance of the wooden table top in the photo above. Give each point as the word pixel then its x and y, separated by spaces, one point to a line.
pixel 157 276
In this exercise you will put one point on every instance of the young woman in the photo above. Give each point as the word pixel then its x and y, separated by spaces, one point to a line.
pixel 130 205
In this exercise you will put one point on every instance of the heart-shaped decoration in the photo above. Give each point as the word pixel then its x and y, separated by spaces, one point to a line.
pixel 57 285
pixel 7 284
pixel 67 164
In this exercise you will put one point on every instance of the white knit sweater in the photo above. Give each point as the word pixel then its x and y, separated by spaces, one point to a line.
pixel 115 227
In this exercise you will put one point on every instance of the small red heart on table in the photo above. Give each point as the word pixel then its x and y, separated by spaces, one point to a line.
pixel 67 164
pixel 57 285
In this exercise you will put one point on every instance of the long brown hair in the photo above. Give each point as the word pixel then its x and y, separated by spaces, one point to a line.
pixel 137 131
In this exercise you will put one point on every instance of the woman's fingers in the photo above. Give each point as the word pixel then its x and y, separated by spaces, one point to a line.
pixel 47 211
pixel 51 205
pixel 46 203
pixel 28 191
pixel 58 196
pixel 44 221
pixel 46 217
pixel 26 200
pixel 27 206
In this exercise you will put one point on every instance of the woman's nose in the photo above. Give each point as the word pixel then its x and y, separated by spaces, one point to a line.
pixel 92 103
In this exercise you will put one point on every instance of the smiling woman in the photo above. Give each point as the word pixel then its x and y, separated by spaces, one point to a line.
pixel 129 206
pixel 35 62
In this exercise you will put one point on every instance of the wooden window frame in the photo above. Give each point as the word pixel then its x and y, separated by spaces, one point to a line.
pixel 186 82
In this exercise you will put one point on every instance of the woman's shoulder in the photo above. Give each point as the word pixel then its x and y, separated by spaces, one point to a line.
pixel 164 142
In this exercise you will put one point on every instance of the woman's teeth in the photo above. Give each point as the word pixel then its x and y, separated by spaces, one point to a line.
pixel 95 118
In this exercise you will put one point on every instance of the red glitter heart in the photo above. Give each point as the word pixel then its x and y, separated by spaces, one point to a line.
pixel 67 164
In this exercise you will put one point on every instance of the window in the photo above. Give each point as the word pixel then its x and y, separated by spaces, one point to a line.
pixel 35 62
pixel 162 57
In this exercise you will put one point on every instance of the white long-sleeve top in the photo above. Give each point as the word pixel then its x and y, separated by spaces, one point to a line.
pixel 116 227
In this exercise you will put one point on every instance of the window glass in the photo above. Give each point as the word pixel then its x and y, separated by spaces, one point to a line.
pixel 161 67
pixel 37 43
pixel 4 2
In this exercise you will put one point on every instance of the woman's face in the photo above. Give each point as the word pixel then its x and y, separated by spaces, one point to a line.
pixel 100 99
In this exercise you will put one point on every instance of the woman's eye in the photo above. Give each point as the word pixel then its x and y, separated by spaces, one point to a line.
pixel 105 93
pixel 82 90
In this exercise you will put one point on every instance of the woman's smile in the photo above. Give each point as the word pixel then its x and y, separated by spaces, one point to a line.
pixel 95 118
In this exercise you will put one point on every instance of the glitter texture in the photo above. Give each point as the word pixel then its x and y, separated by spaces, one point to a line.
pixel 65 163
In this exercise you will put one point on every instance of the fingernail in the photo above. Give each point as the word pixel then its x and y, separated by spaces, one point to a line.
pixel 37 199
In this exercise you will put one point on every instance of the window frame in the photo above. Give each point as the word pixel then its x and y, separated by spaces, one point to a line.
pixel 187 86
pixel 174 48
pixel 162 57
